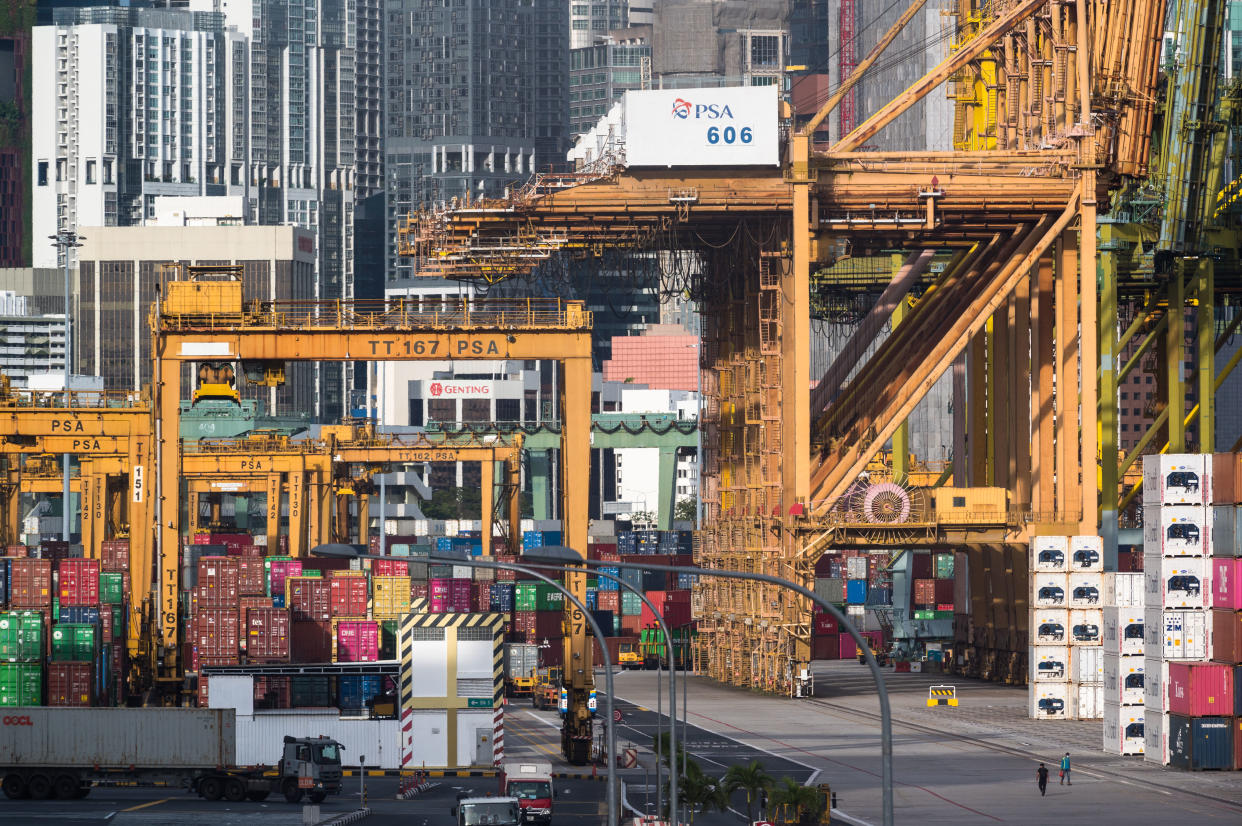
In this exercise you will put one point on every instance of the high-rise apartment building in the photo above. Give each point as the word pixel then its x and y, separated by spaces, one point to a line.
pixel 601 73
pixel 130 104
pixel 591 21
pixel 476 100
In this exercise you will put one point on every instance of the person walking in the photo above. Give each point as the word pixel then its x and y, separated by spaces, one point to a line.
pixel 1065 770
pixel 1041 777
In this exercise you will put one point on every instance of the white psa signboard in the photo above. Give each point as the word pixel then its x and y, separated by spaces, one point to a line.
pixel 726 126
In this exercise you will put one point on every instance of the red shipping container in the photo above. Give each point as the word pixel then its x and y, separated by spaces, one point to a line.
pixel 677 614
pixel 202 539
pixel 825 647
pixel 1200 689
pixel 311 642
pixel 390 567
pixel 482 597
pixel 105 624
pixel 251 576
pixel 609 557
pixel 78 582
pixel 631 623
pixel 267 635
pixel 217 582
pixel 357 641
pixel 848 648
pixel 944 592
pixel 1226 589
pixel 925 592
pixel 216 637
pixel 282 544
pixel 253 550
pixel 1227 636
pixel 609 601
pixel 30 583
pixel 920 566
pixel 825 624
pixel 114 555
pixel 308 599
pixel 70 684
pixel 244 604
pixel 438 587
pixel 505 574
pixel 53 549
pixel 418 589
pixel 349 595
pixel 282 569
pixel 16 551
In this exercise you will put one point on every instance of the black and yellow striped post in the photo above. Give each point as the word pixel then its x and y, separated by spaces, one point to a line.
pixel 942 695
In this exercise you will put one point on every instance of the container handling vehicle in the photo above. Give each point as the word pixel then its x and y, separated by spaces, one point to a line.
pixel 60 752
pixel 487 811
pixel 530 782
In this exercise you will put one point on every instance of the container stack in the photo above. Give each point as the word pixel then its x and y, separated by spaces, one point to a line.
pixel 1124 663
pixel 1066 658
pixel 1177 542
pixel 856 583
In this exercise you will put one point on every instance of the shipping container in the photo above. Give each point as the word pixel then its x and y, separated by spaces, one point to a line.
pixel 390 596
pixel 251 576
pixel 278 570
pixel 1155 681
pixel 1049 590
pixel 943 566
pixel 1180 530
pixel 216 637
pixel 217 582
pixel 356 641
pixel 308 598
pixel 268 635
pixel 30 583
pixel 21 684
pixel 113 587
pixel 1086 626
pixel 1155 736
pixel 825 647
pixel 1087 665
pixel 1123 729
pixel 114 555
pixel 1226 531
pixel 1049 663
pixel 1089 701
pixel 921 565
pixel 21 636
pixel 1123 630
pixel 830 590
pixel 1123 590
pixel 75 643
pixel 1177 479
pixel 1123 680
pixel 349 595
pixel 1050 626
pixel 1050 554
pixel 354 692
pixel 1180 635
pixel 856 567
pixel 1200 743
pixel 943 591
pixel 1085 590
pixel 1175 582
pixel 1226 473
pixel 1226 636
pixel 1226 587
pixel 1051 701
pixel 1200 689
pixel 70 684
pixel 1086 554
pixel 856 591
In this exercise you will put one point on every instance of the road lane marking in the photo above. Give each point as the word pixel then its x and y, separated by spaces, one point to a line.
pixel 145 805
pixel 539 719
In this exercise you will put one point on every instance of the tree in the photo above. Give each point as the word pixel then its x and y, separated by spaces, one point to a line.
pixel 685 510
pixel 797 804
pixel 701 792
pixel 750 778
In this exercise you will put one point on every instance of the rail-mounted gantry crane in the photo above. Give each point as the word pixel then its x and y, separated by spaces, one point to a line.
pixel 1060 113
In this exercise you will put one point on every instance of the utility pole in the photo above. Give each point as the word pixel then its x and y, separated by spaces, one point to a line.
pixel 64 240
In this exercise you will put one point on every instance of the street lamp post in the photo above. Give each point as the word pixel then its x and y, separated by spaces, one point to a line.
pixel 559 554
pixel 65 240
pixel 360 552
pixel 672 689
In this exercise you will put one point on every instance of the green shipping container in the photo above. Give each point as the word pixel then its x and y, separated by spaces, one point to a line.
pixel 630 603
pixel 75 642
pixel 537 596
pixel 21 684
pixel 21 636
pixel 112 589
pixel 943 566
pixel 922 614
pixel 388 640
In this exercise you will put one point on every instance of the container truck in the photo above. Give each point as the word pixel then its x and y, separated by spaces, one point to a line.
pixel 521 663
pixel 530 781
pixel 59 752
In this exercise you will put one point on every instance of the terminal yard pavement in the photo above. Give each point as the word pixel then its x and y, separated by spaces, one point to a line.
pixel 971 764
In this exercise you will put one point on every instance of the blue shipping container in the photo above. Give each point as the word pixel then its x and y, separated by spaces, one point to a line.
pixel 686 581
pixel 632 577
pixel 82 614
pixel 856 591
pixel 500 596
pixel 592 599
pixel 606 622
pixel 1200 743
pixel 444 543
pixel 608 584
pixel 880 595
pixel 354 691
pixel 4 582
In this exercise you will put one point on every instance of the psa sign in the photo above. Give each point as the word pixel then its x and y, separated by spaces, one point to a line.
pixel 729 126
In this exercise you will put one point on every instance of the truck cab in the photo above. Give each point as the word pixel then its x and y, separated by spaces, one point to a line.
pixel 487 811
pixel 530 782
pixel 310 765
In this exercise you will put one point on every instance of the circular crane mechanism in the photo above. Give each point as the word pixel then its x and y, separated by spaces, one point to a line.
pixel 886 503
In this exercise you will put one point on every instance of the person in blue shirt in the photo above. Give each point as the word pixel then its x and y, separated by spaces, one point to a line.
pixel 1065 770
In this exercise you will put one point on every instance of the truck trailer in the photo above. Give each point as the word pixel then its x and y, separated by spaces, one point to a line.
pixel 61 752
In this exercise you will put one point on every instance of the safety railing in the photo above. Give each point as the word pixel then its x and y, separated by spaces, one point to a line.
pixel 92 399
pixel 395 313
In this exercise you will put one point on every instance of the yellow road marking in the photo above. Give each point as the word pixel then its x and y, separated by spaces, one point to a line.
pixel 145 805
pixel 518 732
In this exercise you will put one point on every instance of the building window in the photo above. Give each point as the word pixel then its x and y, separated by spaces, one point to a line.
pixel 42 173
pixel 90 174
pixel 765 50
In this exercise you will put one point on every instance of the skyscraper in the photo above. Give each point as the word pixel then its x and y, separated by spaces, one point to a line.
pixel 476 99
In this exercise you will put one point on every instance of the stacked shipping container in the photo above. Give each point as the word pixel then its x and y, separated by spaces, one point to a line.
pixel 1066 658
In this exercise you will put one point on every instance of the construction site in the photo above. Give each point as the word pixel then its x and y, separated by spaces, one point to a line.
pixel 1083 230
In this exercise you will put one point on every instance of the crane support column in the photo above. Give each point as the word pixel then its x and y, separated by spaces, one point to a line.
pixel 578 676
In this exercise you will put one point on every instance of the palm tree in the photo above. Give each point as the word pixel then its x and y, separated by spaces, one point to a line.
pixel 797 803
pixel 701 792
pixel 750 778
